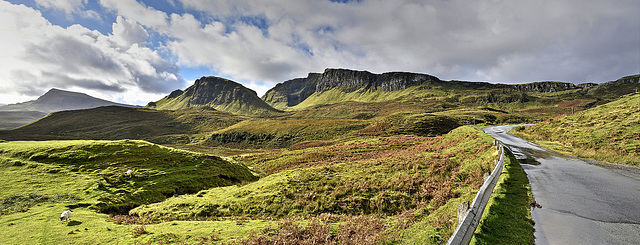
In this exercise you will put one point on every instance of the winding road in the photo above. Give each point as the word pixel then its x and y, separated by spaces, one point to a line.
pixel 583 202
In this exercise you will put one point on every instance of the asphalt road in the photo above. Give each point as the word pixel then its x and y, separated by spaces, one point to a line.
pixel 583 202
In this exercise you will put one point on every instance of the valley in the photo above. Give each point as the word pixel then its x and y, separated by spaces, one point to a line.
pixel 340 157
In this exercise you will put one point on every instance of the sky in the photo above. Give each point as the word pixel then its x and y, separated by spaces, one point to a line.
pixel 136 51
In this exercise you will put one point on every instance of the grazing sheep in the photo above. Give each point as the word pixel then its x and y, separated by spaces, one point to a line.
pixel 66 215
pixel 128 173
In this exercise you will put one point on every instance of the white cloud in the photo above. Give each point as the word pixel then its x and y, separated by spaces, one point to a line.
pixel 264 42
pixel 131 9
pixel 69 7
pixel 37 56
pixel 474 40
pixel 128 32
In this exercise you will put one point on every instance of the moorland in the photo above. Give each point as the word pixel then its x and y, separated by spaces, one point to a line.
pixel 340 157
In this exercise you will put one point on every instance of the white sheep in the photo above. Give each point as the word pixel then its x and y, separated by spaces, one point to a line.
pixel 66 215
pixel 128 173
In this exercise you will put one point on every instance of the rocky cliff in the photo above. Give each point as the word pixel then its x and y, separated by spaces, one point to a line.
pixel 219 93
pixel 293 92
pixel 551 87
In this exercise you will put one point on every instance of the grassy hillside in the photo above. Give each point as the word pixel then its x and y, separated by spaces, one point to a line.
pixel 407 186
pixel 608 132
pixel 42 179
pixel 113 122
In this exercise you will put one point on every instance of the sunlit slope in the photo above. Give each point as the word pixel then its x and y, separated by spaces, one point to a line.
pixel 387 176
pixel 610 132
pixel 93 172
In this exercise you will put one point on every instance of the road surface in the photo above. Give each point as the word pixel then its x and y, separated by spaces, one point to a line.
pixel 582 202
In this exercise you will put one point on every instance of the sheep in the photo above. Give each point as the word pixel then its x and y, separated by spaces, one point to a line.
pixel 66 215
pixel 128 173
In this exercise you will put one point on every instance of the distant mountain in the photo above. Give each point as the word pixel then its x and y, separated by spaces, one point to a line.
pixel 342 85
pixel 60 100
pixel 218 93
pixel 14 119
pixel 295 91
pixel 116 122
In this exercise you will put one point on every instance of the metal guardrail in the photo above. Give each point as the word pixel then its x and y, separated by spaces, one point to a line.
pixel 469 223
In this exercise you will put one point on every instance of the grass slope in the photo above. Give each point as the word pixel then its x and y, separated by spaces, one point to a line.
pixel 113 122
pixel 608 132
pixel 398 181
pixel 94 170
pixel 42 179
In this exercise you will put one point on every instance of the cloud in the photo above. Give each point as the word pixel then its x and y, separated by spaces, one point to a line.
pixel 131 9
pixel 36 56
pixel 498 41
pixel 69 7
pixel 260 43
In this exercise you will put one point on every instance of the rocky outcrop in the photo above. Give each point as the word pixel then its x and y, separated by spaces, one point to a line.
pixel 218 93
pixel 293 92
pixel 351 81
pixel 551 87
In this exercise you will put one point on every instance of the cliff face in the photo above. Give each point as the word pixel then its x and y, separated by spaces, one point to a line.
pixel 293 92
pixel 551 87
pixel 219 93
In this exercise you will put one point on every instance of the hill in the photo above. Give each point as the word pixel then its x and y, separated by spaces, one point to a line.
pixel 219 93
pixel 42 178
pixel 399 185
pixel 114 122
pixel 60 100
pixel 341 85
pixel 614 89
pixel 15 115
pixel 607 132
pixel 293 92
pixel 14 119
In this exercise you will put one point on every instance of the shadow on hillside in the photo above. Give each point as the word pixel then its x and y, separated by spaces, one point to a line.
pixel 74 223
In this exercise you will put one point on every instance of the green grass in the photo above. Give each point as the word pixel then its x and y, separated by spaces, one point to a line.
pixel 43 178
pixel 608 132
pixel 113 123
pixel 387 189
pixel 403 181
pixel 94 171
pixel 507 217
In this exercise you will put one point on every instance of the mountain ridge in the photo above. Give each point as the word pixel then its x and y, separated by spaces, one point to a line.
pixel 61 100
pixel 335 83
pixel 218 93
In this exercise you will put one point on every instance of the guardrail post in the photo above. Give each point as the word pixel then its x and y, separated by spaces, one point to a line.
pixel 462 211
pixel 468 223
